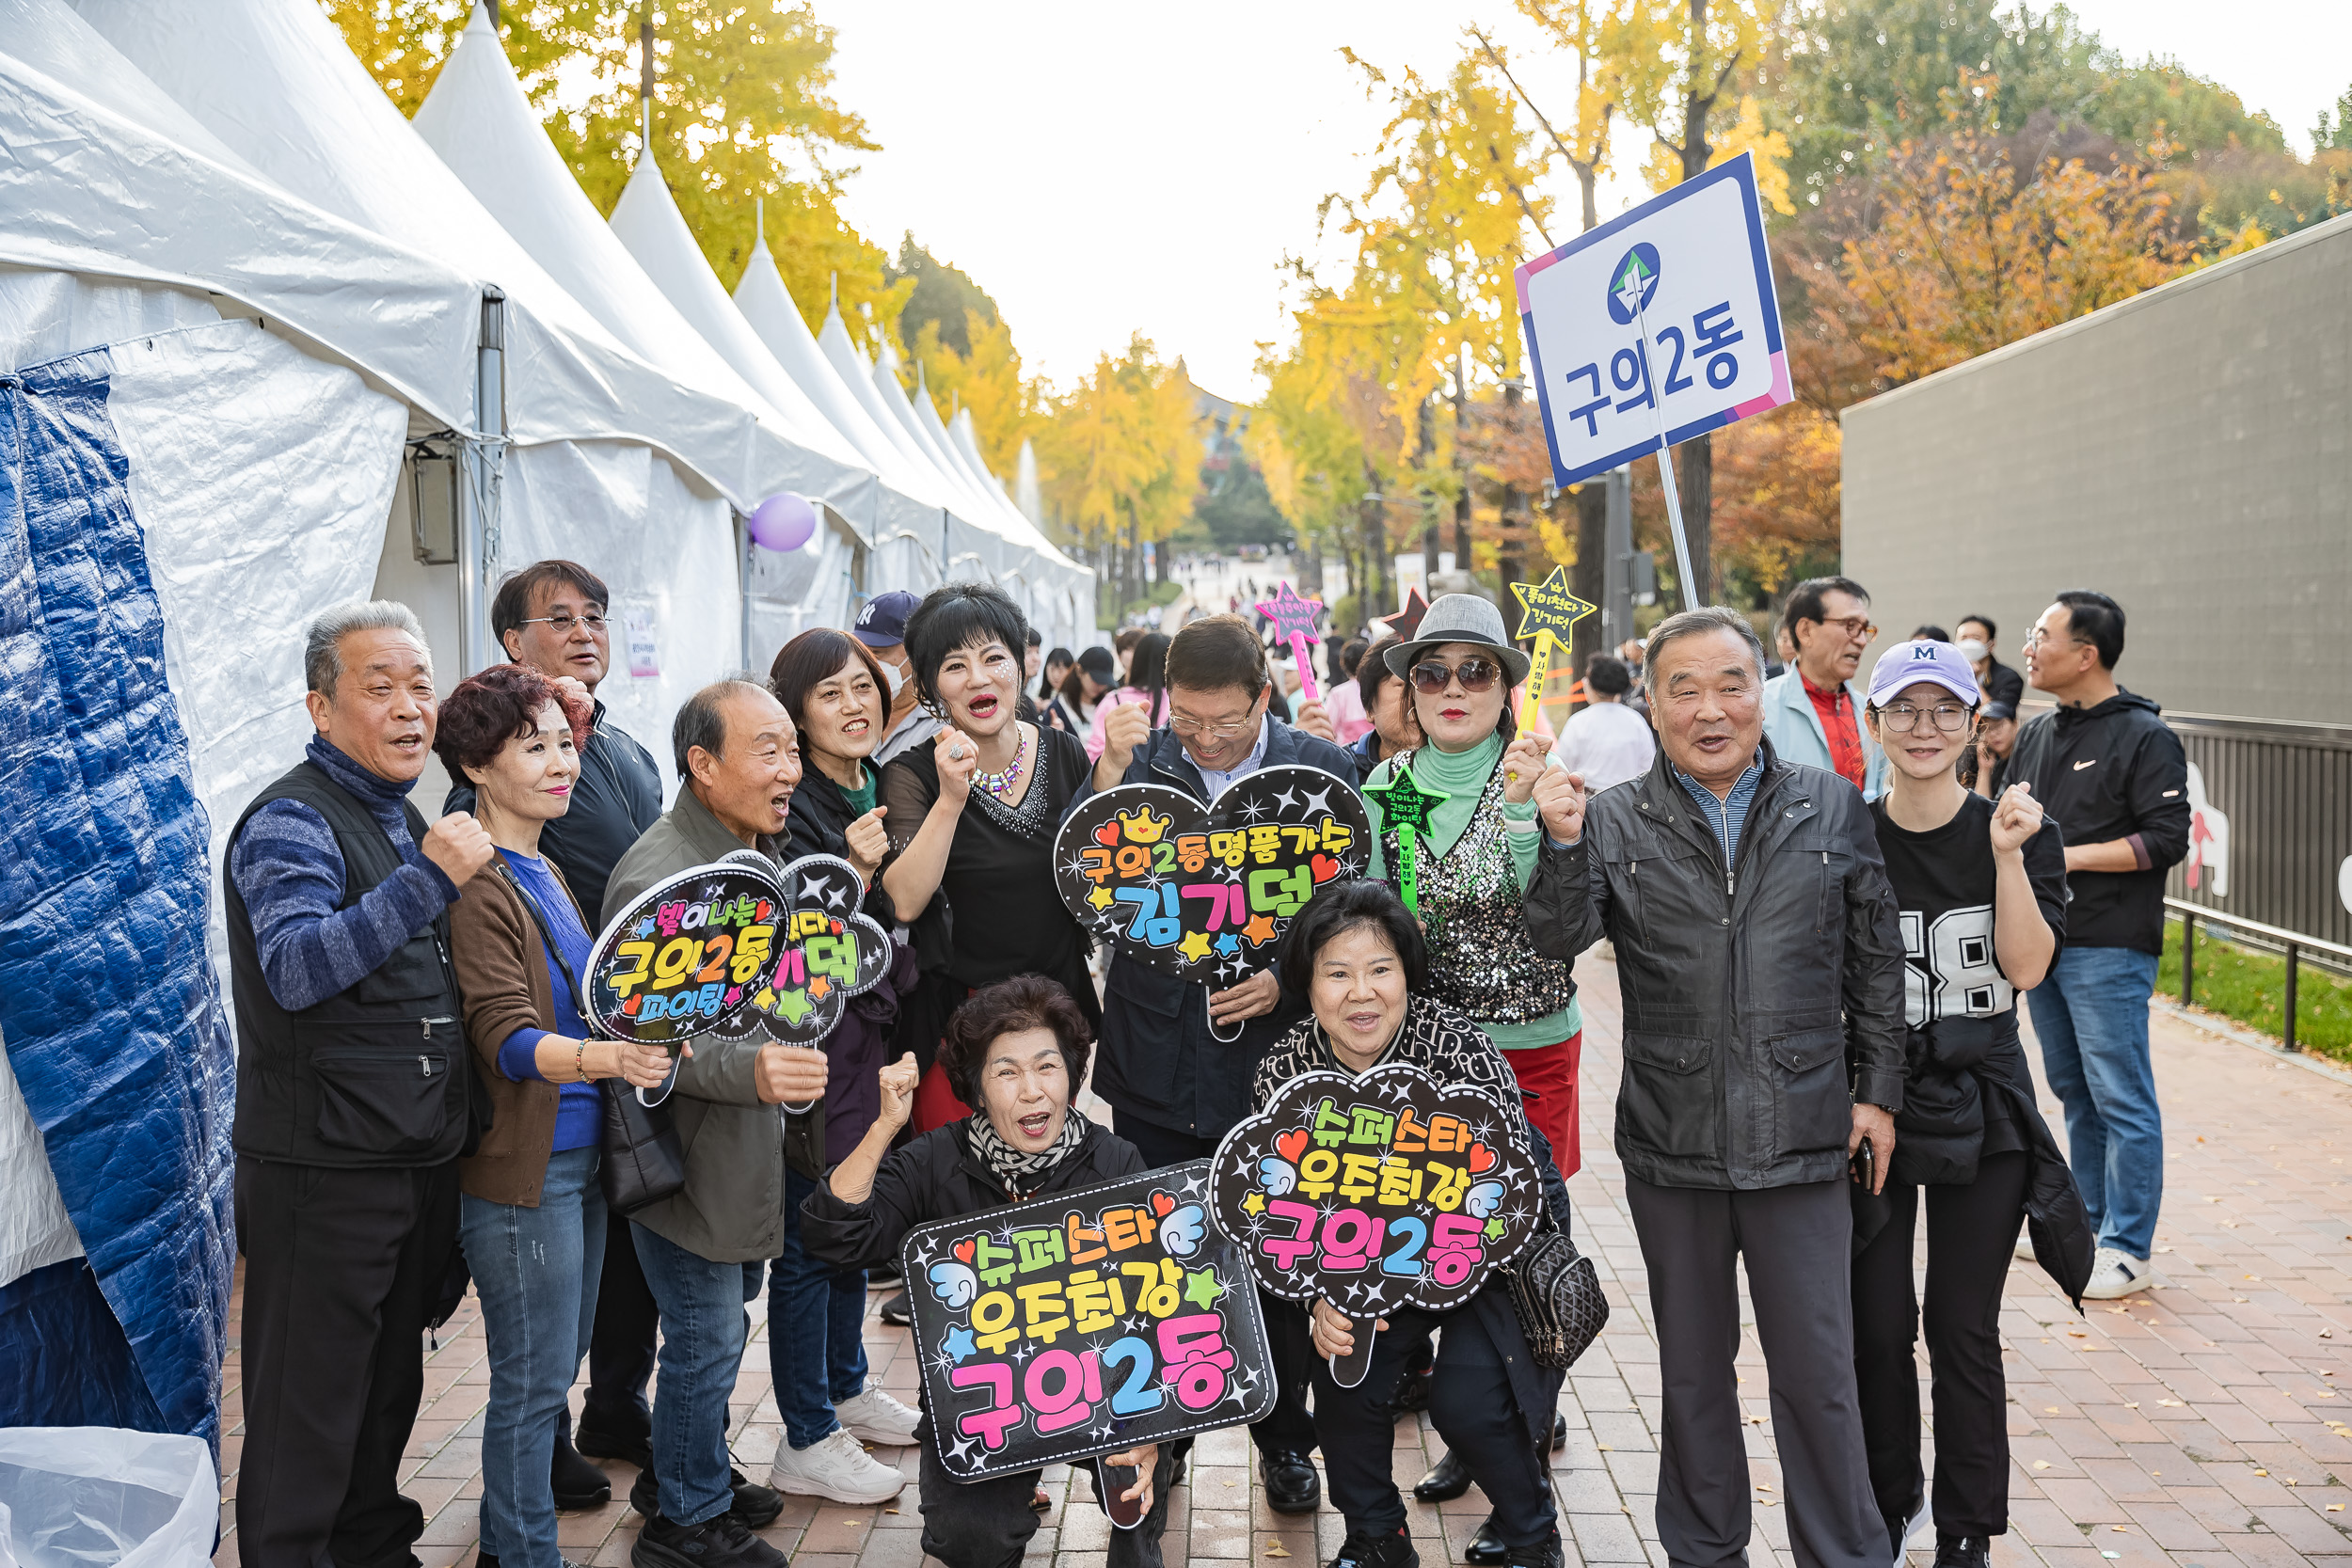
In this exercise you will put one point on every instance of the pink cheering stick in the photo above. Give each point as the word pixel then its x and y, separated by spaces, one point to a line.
pixel 1293 621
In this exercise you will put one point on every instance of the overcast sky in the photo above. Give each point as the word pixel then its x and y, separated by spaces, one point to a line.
pixel 1107 169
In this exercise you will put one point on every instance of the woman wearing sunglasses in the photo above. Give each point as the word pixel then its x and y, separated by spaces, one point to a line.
pixel 1981 887
pixel 1472 865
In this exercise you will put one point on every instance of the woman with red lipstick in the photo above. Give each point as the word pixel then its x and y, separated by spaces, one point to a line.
pixel 971 818
pixel 531 1217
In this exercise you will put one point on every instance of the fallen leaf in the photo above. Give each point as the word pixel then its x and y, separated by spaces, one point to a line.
pixel 2164 1249
pixel 2173 1403
pixel 2078 1334
pixel 2133 1404
pixel 2041 1463
pixel 2049 1410
pixel 1604 1448
pixel 1274 1548
pixel 1768 1502
pixel 2335 1508
pixel 2119 1529
pixel 2262 1472
pixel 1225 1483
pixel 890 1510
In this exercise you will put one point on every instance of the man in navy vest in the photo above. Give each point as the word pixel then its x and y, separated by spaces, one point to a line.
pixel 353 1099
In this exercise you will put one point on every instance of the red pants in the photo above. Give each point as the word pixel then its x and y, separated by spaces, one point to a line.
pixel 936 1105
pixel 1547 1075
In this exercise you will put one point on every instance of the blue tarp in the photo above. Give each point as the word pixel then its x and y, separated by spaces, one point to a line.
pixel 108 1005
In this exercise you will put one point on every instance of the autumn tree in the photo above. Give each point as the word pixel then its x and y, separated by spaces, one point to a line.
pixel 1120 463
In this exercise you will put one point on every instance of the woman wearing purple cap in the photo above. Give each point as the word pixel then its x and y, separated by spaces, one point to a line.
pixel 1981 887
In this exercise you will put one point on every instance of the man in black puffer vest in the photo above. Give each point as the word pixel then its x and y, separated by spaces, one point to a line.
pixel 354 1099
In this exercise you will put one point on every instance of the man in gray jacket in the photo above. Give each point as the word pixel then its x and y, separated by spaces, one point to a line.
pixel 1762 968
pixel 705 1250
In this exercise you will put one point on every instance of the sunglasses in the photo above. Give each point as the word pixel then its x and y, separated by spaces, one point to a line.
pixel 1477 675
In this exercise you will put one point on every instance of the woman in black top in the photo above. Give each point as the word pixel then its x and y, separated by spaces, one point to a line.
pixel 1981 887
pixel 971 819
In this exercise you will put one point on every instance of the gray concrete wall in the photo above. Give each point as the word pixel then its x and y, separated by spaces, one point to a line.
pixel 2188 451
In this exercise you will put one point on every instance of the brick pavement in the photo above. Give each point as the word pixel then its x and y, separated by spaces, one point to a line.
pixel 2196 1424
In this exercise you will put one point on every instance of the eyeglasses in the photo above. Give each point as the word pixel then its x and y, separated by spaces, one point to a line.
pixel 2040 638
pixel 1477 675
pixel 1193 729
pixel 561 625
pixel 1853 626
pixel 1902 718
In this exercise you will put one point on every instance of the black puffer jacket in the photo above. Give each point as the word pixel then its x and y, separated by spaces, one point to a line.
pixel 1761 1001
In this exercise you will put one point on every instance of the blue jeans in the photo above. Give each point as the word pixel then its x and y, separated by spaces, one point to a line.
pixel 815 1329
pixel 536 1270
pixel 703 1326
pixel 2091 1017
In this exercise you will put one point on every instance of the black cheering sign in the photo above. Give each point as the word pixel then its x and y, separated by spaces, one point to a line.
pixel 737 945
pixel 1377 1193
pixel 1083 1322
pixel 1203 894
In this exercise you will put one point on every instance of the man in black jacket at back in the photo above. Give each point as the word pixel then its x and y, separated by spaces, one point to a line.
pixel 1176 1058
pixel 552 616
pixel 2109 771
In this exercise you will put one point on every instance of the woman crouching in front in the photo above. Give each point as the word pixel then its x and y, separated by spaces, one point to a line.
pixel 1356 956
pixel 1016 1052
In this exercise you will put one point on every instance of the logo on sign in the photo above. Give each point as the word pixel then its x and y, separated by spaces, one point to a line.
pixel 1632 284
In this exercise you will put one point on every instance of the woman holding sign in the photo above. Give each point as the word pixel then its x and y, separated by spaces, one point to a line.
pixel 1017 1050
pixel 1360 961
pixel 972 818
pixel 531 1217
pixel 1455 832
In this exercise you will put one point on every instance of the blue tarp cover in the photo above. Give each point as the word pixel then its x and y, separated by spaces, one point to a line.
pixel 110 1006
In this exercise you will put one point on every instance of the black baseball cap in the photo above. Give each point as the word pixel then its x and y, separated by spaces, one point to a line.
pixel 1999 710
pixel 882 624
pixel 1097 661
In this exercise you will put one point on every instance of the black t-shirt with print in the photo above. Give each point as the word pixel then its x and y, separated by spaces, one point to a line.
pixel 1943 881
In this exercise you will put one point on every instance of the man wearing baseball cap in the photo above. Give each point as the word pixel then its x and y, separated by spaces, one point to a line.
pixel 882 626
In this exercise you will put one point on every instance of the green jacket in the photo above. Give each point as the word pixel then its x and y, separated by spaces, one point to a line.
pixel 732 1210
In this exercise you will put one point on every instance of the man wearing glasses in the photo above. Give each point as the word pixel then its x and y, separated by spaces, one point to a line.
pixel 552 616
pixel 1813 709
pixel 1176 1060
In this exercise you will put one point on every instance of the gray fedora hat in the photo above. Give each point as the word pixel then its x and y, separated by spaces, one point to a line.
pixel 1460 617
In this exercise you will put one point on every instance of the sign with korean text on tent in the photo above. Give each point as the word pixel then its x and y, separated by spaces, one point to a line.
pixel 1657 326
pixel 1083 1322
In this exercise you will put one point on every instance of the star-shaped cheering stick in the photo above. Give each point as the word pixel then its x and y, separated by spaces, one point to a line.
pixel 1404 806
pixel 1548 614
pixel 1293 621
pixel 1405 622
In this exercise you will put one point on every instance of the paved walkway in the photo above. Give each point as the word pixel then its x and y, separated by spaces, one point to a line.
pixel 2198 1423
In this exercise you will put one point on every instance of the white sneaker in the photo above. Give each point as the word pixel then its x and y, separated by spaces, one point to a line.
pixel 874 1417
pixel 2023 1251
pixel 837 1467
pixel 2115 1273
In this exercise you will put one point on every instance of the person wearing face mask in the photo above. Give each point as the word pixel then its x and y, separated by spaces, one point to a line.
pixel 1016 1051
pixel 1359 957
pixel 530 1214
pixel 1997 681
pixel 972 818
pixel 882 626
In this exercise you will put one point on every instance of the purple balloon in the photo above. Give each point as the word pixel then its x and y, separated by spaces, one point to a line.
pixel 783 522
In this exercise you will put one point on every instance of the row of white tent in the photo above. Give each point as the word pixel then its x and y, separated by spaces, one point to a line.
pixel 192 165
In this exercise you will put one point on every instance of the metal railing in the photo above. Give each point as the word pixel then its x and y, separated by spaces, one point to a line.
pixel 2295 943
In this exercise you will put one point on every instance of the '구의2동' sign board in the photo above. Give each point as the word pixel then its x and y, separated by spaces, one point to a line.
pixel 1657 326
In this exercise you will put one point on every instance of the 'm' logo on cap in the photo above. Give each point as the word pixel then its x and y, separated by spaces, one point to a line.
pixel 1923 650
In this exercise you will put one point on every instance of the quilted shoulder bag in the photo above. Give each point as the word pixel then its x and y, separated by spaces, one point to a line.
pixel 1558 1298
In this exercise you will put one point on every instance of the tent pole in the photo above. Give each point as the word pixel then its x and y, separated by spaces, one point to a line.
pixel 484 458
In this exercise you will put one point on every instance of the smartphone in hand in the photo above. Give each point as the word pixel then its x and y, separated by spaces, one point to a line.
pixel 1864 1166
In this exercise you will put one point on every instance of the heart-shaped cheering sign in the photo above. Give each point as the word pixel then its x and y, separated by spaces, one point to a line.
pixel 1204 893
pixel 724 948
pixel 1376 1193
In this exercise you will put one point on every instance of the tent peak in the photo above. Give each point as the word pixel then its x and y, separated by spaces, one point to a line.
pixel 644 130
pixel 479 22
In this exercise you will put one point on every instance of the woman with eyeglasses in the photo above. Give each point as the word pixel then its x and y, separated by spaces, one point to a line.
pixel 1981 887
pixel 971 818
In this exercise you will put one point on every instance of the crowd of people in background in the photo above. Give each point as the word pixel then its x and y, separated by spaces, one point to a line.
pixel 1822 895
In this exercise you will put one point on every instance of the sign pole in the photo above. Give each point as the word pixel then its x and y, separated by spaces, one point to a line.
pixel 1665 458
pixel 1538 672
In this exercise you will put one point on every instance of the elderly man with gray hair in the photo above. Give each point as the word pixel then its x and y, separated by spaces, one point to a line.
pixel 352 1099
pixel 1761 967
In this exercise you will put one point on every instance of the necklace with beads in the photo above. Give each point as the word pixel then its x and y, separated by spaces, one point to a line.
pixel 998 784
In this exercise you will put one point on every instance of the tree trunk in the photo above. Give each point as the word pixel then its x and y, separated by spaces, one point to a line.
pixel 1592 551
pixel 1695 471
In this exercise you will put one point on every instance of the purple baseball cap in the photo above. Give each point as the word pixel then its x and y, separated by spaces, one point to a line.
pixel 1908 663
pixel 882 622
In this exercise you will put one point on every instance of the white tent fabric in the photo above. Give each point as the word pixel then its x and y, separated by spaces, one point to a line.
pixel 102 173
pixel 273 79
pixel 479 121
pixel 1027 499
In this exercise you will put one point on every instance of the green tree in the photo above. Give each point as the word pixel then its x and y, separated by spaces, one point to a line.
pixel 2339 136
pixel 943 296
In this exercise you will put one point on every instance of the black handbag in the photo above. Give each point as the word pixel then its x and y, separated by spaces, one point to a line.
pixel 643 1161
pixel 1558 1298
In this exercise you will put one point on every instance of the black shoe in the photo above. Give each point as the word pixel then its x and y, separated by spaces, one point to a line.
pixel 1545 1554
pixel 755 1506
pixel 1559 1433
pixel 1041 1501
pixel 636 1447
pixel 1388 1551
pixel 897 1313
pixel 1446 1480
pixel 719 1542
pixel 483 1560
pixel 1412 1393
pixel 882 1274
pixel 577 1483
pixel 1963 1551
pixel 1292 1485
pixel 1487 1547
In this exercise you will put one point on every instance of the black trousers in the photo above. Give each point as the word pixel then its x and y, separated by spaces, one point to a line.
pixel 342 1268
pixel 1472 1405
pixel 621 1344
pixel 987 1524
pixel 1970 1231
pixel 1287 1426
